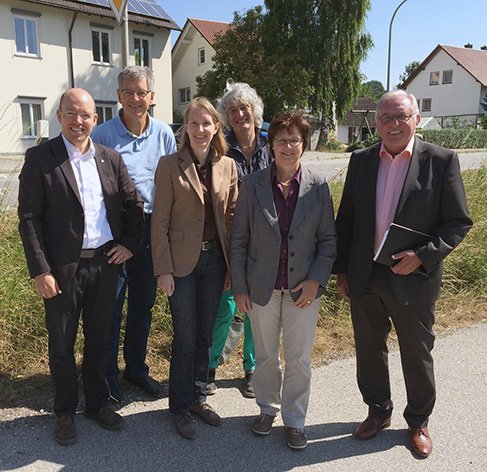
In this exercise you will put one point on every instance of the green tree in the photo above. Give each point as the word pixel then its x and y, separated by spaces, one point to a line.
pixel 410 68
pixel 297 54
pixel 373 89
pixel 330 40
pixel 244 54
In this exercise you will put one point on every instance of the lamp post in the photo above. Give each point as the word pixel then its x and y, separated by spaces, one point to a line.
pixel 389 51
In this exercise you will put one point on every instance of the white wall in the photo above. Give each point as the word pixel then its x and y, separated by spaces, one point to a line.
pixel 48 76
pixel 186 67
pixel 460 97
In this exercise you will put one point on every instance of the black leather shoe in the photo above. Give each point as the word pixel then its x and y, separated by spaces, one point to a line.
pixel 65 430
pixel 106 418
pixel 114 388
pixel 147 384
pixel 369 428
pixel 248 390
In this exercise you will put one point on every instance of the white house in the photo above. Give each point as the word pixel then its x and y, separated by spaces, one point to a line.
pixel 47 46
pixel 451 82
pixel 192 57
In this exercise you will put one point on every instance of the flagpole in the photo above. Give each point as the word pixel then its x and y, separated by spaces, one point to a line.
pixel 125 37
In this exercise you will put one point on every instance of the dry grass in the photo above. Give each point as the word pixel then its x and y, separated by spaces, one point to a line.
pixel 24 375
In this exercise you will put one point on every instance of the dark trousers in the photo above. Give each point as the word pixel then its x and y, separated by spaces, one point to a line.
pixel 91 294
pixel 194 305
pixel 138 277
pixel 371 316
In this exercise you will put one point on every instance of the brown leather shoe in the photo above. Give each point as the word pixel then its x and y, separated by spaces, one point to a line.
pixel 421 441
pixel 369 428
pixel 207 414
pixel 185 425
pixel 65 430
pixel 106 418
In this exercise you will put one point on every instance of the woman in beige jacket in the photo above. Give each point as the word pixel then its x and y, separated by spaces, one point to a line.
pixel 196 191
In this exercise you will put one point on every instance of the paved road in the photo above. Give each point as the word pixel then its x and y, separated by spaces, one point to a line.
pixel 148 443
pixel 332 165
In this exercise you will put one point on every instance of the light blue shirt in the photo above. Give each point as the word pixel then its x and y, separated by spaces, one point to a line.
pixel 140 153
pixel 97 230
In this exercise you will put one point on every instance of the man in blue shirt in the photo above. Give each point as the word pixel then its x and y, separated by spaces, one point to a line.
pixel 141 140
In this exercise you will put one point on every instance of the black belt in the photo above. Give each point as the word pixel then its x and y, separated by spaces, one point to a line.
pixel 208 245
pixel 99 251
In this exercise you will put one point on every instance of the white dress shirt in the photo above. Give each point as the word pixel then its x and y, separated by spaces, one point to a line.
pixel 97 230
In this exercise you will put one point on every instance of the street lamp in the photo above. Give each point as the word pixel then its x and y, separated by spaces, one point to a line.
pixel 389 51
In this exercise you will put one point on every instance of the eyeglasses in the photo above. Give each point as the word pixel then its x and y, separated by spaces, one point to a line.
pixel 386 119
pixel 83 116
pixel 288 142
pixel 131 93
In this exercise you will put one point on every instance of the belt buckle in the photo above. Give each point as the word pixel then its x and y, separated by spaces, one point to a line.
pixel 87 253
pixel 205 245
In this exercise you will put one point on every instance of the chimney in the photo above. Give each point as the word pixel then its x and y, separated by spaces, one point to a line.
pixel 468 46
pixel 484 48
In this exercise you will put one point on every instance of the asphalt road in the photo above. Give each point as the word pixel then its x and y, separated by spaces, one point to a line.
pixel 332 165
pixel 149 443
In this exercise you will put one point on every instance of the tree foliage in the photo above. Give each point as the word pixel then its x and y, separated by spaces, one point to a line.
pixel 296 54
pixel 245 54
pixel 373 89
pixel 410 68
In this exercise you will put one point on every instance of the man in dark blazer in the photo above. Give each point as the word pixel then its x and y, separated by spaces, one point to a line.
pixel 415 184
pixel 80 219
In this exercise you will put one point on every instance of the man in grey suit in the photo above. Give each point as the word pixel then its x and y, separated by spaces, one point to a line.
pixel 415 184
pixel 80 220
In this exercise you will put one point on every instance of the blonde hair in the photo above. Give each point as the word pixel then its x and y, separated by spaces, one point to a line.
pixel 218 144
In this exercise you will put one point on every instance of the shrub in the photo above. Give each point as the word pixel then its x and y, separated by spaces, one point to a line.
pixel 466 138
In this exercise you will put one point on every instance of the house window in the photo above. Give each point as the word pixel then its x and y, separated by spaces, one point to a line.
pixel 426 104
pixel 201 56
pixel 26 42
pixel 434 78
pixel 104 112
pixel 30 112
pixel 101 46
pixel 141 51
pixel 447 77
pixel 184 95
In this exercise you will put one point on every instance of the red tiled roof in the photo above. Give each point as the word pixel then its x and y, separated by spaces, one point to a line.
pixel 474 61
pixel 209 29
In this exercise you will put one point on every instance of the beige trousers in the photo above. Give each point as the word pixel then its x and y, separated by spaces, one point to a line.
pixel 273 392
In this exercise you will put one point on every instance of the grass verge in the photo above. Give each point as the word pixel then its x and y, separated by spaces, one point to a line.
pixel 23 338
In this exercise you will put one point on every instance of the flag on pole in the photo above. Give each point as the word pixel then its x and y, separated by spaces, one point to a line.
pixel 118 7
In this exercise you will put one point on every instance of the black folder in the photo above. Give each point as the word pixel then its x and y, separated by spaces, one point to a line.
pixel 398 238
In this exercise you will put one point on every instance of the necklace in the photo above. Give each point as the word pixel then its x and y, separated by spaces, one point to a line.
pixel 245 148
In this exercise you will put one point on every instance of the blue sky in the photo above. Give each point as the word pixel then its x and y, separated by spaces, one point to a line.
pixel 419 26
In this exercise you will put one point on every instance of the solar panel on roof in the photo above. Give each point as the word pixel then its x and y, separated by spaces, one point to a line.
pixel 141 7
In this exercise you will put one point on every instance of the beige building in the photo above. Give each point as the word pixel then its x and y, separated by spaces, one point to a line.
pixel 192 56
pixel 47 46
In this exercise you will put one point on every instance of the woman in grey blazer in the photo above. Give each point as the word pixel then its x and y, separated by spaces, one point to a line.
pixel 283 245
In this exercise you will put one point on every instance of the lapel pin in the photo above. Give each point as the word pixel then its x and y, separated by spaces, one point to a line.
pixel 102 160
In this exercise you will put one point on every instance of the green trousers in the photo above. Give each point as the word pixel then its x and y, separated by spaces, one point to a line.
pixel 223 322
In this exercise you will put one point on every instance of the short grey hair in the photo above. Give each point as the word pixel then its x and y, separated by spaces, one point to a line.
pixel 399 93
pixel 136 73
pixel 240 92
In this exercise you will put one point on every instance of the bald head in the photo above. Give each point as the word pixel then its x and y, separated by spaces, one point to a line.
pixel 77 94
pixel 77 116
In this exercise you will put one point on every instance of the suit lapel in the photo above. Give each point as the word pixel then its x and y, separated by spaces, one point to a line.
pixel 304 199
pixel 370 181
pixel 101 160
pixel 418 158
pixel 188 168
pixel 61 155
pixel 263 190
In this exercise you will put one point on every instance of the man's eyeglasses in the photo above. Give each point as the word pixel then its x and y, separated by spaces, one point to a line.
pixel 386 119
pixel 131 93
pixel 288 142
